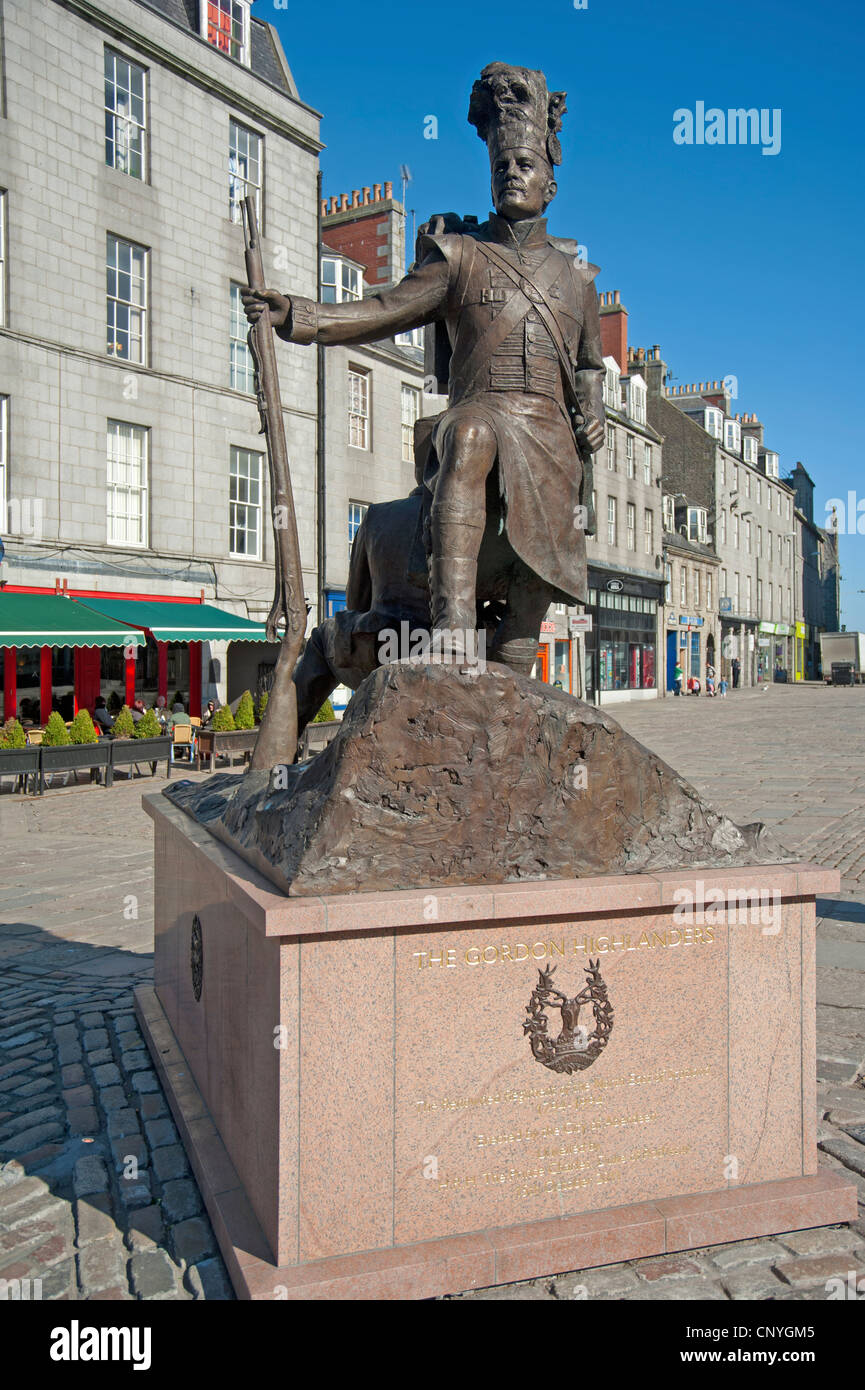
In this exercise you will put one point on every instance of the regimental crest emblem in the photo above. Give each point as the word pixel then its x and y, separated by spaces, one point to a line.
pixel 577 1046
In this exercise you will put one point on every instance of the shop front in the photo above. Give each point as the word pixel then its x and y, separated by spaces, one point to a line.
pixel 61 650
pixel 621 659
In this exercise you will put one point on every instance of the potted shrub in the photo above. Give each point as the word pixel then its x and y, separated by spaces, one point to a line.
pixel 82 729
pixel 16 759
pixel 148 726
pixel 12 735
pixel 73 749
pixel 144 742
pixel 262 705
pixel 223 720
pixel 326 714
pixel 55 734
pixel 124 724
pixel 245 715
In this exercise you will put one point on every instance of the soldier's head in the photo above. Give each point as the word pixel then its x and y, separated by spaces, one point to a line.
pixel 522 183
pixel 519 121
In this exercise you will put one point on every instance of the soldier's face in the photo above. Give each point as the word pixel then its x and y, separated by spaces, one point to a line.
pixel 522 184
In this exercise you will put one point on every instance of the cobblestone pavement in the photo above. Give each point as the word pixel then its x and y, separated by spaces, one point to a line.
pixel 96 1198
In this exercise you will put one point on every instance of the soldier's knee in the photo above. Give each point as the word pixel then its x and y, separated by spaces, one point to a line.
pixel 469 440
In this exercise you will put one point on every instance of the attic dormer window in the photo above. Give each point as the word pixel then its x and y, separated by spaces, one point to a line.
pixel 225 24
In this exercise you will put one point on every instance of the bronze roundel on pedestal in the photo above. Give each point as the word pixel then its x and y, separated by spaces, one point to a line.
pixel 196 957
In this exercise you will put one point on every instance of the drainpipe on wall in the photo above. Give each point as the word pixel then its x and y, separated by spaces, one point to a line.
pixel 320 459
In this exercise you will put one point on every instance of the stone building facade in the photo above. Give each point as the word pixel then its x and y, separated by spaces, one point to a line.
pixel 130 132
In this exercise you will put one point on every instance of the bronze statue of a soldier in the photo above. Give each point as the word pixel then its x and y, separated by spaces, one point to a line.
pixel 516 336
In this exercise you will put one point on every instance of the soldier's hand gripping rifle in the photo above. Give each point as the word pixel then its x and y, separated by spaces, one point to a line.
pixel 277 739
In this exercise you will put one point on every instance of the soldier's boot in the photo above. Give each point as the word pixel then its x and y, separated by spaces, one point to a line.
pixel 516 641
pixel 314 681
pixel 453 572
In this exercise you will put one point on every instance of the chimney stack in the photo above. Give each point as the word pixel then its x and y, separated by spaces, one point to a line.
pixel 614 329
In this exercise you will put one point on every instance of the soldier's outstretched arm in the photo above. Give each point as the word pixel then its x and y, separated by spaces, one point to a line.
pixel 418 299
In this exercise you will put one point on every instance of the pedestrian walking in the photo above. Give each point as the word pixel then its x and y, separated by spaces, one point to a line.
pixel 737 671
pixel 710 679
pixel 678 678
pixel 722 688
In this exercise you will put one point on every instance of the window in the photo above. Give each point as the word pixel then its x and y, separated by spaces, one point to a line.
pixel 760 491
pixel 668 582
pixel 340 283
pixel 356 513
pixel 611 449
pixel 780 549
pixel 749 449
pixel 127 484
pixel 632 526
pixel 611 521
pixel 683 586
pixel 760 541
pixel 771 601
pixel 736 531
pixel 736 592
pixel 241 372
pixel 245 165
pixel 244 504
pixel 771 460
pixel 647 464
pixel 789 509
pixel 125 107
pixel 629 454
pixel 759 598
pixel 358 408
pixel 611 384
pixel 2 257
pixel 225 24
pixel 637 399
pixel 748 485
pixel 725 592
pixel 126 284
pixel 414 337
pixel 4 459
pixel 721 469
pixel 697 524
pixel 748 594
pixel 748 535
pixel 733 436
pixel 709 591
pixel 410 410
pixel 648 531
pixel 669 512
pixel 789 606
pixel 696 588
pixel 722 527
pixel 713 423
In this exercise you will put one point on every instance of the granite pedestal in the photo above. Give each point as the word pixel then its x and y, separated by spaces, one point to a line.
pixel 368 1115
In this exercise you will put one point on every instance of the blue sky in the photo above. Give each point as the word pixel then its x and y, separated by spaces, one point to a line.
pixel 735 262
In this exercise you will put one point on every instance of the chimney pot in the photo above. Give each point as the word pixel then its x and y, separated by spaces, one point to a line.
pixel 656 348
pixel 388 190
pixel 334 204
pixel 366 193
pixel 616 297
pixel 343 202
pixel 324 207
pixel 376 192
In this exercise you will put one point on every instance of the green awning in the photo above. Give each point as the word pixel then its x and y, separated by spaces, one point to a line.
pixel 178 622
pixel 47 620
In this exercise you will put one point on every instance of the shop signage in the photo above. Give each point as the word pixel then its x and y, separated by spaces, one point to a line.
pixel 583 623
pixel 615 586
pixel 725 605
pixel 547 626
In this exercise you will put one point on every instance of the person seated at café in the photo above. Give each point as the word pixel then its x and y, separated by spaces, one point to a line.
pixel 178 715
pixel 138 710
pixel 208 713
pixel 101 718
